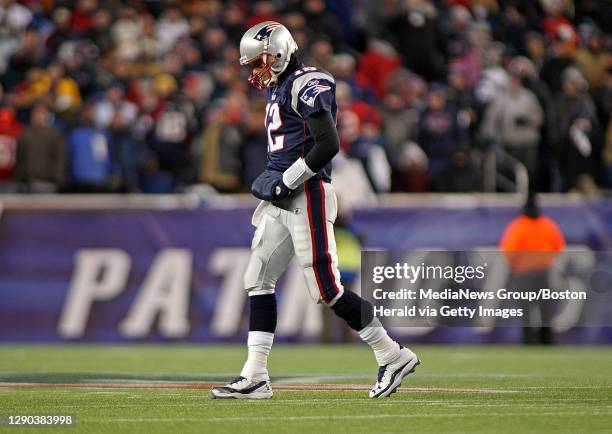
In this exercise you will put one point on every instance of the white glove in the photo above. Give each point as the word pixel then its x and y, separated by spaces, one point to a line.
pixel 581 140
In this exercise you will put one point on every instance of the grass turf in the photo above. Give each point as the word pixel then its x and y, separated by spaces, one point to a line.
pixel 511 389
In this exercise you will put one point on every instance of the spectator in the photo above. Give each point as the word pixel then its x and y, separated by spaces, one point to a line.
pixel 400 117
pixel 62 28
pixel 117 115
pixel 461 176
pixel 233 22
pixel 493 79
pixel 29 53
pixel 370 149
pixel 78 57
pixel 263 10
pixel 376 15
pixel 440 133
pixel 376 65
pixel 322 22
pixel 605 104
pixel 352 114
pixel 461 52
pixel 596 11
pixel 90 165
pixel 10 132
pixel 554 18
pixel 593 59
pixel 321 53
pixel 295 20
pixel 220 144
pixel 343 67
pixel 214 40
pixel 514 118
pixel 41 154
pixel 253 152
pixel 535 47
pixel 414 33
pixel 411 169
pixel 126 34
pixel 67 95
pixel 175 125
pixel 178 63
pixel 460 97
pixel 100 32
pixel 514 26
pixel 82 17
pixel 113 110
pixel 399 121
pixel 197 88
pixel 563 50
pixel 547 170
pixel 36 86
pixel 16 16
pixel 578 132
pixel 152 179
pixel 417 89
pixel 171 26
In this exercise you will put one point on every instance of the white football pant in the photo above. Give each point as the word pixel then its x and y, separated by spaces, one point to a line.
pixel 301 224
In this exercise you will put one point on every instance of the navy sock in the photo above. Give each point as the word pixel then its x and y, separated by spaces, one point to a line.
pixel 353 309
pixel 263 313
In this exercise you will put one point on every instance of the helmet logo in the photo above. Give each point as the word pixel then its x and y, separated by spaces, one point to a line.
pixel 265 31
pixel 313 89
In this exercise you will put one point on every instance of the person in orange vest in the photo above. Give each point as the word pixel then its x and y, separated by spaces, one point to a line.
pixel 531 243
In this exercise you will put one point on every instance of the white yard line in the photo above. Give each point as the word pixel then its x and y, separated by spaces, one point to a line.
pixel 377 416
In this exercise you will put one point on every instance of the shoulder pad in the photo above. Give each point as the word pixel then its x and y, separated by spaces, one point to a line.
pixel 309 82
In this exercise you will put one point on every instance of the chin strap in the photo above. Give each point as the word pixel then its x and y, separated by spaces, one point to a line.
pixel 297 174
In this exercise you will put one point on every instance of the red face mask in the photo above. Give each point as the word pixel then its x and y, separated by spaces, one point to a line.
pixel 261 73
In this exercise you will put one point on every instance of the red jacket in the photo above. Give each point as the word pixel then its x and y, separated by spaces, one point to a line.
pixel 10 131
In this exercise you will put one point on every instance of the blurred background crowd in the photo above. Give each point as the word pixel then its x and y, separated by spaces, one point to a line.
pixel 148 96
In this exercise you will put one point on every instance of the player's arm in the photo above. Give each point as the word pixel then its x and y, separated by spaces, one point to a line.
pixel 327 144
pixel 313 98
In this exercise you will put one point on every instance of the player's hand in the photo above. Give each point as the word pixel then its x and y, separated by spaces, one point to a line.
pixel 281 191
pixel 270 186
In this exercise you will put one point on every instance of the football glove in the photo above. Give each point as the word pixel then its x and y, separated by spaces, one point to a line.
pixel 269 186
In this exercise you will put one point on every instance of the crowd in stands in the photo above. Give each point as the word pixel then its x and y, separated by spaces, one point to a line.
pixel 148 96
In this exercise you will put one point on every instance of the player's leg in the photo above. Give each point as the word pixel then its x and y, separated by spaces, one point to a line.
pixel 272 250
pixel 315 247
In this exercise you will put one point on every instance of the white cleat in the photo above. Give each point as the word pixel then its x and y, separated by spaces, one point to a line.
pixel 242 388
pixel 390 376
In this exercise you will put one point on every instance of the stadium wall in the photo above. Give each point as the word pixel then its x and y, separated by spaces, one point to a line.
pixel 169 268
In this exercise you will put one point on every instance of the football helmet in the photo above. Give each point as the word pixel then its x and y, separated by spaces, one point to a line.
pixel 267 48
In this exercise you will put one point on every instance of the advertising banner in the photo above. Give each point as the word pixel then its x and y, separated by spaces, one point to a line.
pixel 133 275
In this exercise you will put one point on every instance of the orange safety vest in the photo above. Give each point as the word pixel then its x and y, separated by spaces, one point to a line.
pixel 531 244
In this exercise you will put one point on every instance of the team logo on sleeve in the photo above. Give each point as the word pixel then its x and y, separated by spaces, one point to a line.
pixel 265 31
pixel 312 90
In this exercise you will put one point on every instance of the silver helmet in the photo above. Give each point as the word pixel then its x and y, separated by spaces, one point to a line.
pixel 268 45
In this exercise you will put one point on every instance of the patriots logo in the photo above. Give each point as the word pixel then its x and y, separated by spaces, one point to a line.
pixel 313 89
pixel 265 31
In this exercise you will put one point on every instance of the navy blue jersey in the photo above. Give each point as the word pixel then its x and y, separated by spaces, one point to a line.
pixel 301 94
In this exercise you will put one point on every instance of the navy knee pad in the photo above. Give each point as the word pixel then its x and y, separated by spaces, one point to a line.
pixel 263 313
pixel 353 309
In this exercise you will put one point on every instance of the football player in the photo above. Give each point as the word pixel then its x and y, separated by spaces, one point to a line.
pixel 297 212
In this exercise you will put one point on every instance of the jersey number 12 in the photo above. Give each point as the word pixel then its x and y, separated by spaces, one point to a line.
pixel 275 143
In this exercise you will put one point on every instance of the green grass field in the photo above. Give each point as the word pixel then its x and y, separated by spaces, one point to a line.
pixel 162 389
